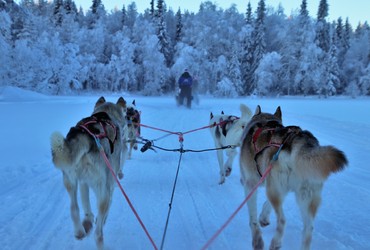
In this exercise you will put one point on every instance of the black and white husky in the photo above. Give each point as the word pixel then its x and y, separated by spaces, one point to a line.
pixel 227 131
pixel 79 158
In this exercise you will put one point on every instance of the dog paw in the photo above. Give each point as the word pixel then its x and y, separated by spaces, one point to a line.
pixel 120 175
pixel 99 242
pixel 257 243
pixel 264 222
pixel 80 234
pixel 135 146
pixel 222 180
pixel 275 245
pixel 87 224
pixel 228 171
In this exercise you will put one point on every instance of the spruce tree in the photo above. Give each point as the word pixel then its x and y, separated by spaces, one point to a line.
pixel 68 6
pixel 178 26
pixel 160 10
pixel 247 53
pixel 58 12
pixel 233 70
pixel 323 11
pixel 322 27
pixel 95 6
pixel 259 43
pixel 124 16
pixel 152 8
pixel 162 34
pixel 347 35
pixel 248 15
pixel 333 83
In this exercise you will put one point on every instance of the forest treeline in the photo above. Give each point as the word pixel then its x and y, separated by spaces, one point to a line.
pixel 57 48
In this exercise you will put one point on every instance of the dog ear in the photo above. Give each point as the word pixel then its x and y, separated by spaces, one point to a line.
pixel 258 110
pixel 133 103
pixel 211 116
pixel 246 112
pixel 100 101
pixel 278 113
pixel 121 102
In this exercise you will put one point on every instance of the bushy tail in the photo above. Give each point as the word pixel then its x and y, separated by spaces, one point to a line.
pixel 67 153
pixel 321 161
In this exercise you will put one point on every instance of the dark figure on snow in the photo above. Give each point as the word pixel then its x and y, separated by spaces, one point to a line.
pixel 185 84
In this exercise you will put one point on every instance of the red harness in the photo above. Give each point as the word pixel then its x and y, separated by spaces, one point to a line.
pixel 290 131
pixel 103 120
pixel 270 144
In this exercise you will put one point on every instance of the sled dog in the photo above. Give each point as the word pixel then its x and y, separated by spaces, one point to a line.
pixel 227 131
pixel 79 159
pixel 133 125
pixel 299 164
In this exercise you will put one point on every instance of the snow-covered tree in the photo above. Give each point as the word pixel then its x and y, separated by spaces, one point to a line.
pixel 165 46
pixel 331 83
pixel 322 27
pixel 58 12
pixel 353 89
pixel 131 15
pixel 364 81
pixel 123 66
pixel 5 48
pixel 259 43
pixel 248 14
pixel 62 49
pixel 267 75
pixel 124 15
pixel 178 26
pixel 233 71
pixel 225 88
pixel 247 59
pixel 357 57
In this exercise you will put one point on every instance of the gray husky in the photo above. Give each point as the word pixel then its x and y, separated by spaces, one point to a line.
pixel 81 162
pixel 133 126
pixel 300 165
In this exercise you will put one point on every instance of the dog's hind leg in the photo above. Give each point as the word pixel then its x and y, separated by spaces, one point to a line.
pixel 71 186
pixel 220 158
pixel 130 149
pixel 264 218
pixel 231 153
pixel 89 216
pixel 308 200
pixel 104 201
pixel 123 155
pixel 257 241
pixel 276 197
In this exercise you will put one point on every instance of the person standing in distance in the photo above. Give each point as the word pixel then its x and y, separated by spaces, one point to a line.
pixel 185 83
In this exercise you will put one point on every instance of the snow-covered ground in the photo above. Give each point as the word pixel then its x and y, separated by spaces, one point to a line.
pixel 35 206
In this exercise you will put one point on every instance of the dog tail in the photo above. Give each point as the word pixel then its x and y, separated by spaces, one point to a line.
pixel 67 153
pixel 322 161
pixel 246 112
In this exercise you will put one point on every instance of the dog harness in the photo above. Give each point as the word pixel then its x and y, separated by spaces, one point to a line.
pixel 287 132
pixel 223 123
pixel 96 125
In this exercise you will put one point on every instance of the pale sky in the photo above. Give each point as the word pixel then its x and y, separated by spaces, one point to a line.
pixel 356 10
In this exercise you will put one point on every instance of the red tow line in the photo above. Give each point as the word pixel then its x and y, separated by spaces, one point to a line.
pixel 101 149
pixel 263 177
pixel 219 231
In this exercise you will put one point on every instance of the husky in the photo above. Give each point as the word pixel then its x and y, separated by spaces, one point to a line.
pixel 79 158
pixel 227 131
pixel 299 164
pixel 133 125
